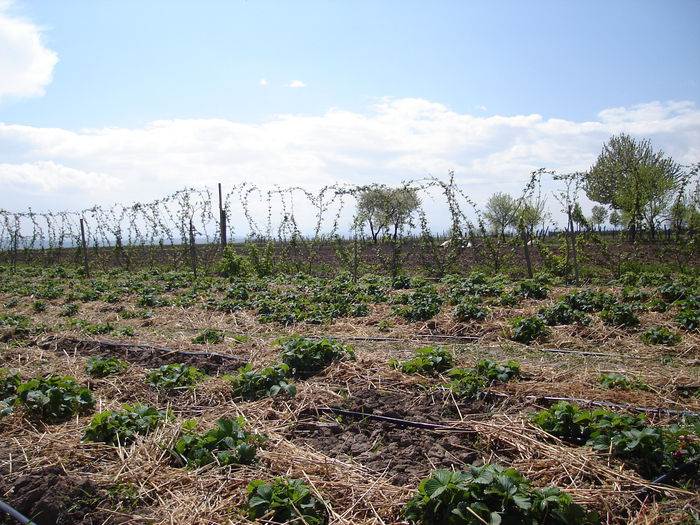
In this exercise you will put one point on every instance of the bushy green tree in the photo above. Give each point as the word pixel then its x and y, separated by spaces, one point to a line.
pixel 634 179
pixel 386 209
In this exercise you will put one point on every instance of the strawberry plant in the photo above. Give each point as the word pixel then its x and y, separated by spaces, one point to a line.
pixel 226 444
pixel 528 329
pixel 466 383
pixel 490 494
pixel 588 300
pixel 9 382
pixel 208 336
pixel 660 335
pixel 103 366
pixel 689 320
pixel 651 451
pixel 121 427
pixel 531 289
pixel 493 371
pixel 306 357
pixel 252 384
pixel 614 380
pixel 69 310
pixel 563 314
pixel 54 398
pixel 622 315
pixel 427 360
pixel 175 375
pixel 285 501
pixel 468 311
pixel 421 305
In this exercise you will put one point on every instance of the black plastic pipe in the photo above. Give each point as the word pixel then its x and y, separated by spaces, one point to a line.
pixel 164 350
pixel 13 513
pixel 393 420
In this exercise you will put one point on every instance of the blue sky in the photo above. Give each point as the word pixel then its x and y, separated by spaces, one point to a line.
pixel 131 100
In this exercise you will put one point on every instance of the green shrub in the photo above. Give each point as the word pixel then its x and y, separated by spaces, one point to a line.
pixel 252 384
pixel 490 494
pixel 232 264
pixel 660 335
pixel 306 357
pixel 54 398
pixel 174 376
pixel 208 336
pixel 226 444
pixel 528 329
pixel 285 501
pixel 427 360
pixel 116 427
pixel 103 366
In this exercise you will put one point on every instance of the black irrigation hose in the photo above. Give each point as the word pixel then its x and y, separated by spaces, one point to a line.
pixel 13 513
pixel 669 477
pixel 393 420
pixel 164 350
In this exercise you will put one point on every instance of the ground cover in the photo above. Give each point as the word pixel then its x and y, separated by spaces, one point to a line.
pixel 359 432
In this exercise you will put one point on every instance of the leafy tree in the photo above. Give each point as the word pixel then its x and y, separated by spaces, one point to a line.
pixel 532 213
pixel 633 179
pixel 386 209
pixel 501 213
pixel 599 214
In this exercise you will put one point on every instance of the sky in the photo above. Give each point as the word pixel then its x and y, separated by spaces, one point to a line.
pixel 104 102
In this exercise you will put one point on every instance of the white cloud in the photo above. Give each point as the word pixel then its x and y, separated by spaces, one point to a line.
pixel 394 140
pixel 296 84
pixel 47 176
pixel 262 82
pixel 26 65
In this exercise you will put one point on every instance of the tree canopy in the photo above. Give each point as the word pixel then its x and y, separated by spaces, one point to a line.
pixel 386 209
pixel 633 179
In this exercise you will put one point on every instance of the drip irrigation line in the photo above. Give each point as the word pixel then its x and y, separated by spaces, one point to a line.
pixel 158 349
pixel 439 337
pixel 607 404
pixel 393 420
pixel 13 513
pixel 666 479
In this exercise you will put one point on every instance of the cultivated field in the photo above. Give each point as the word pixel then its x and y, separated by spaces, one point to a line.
pixel 362 390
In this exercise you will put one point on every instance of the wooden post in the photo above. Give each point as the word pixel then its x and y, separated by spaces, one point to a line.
pixel 193 251
pixel 527 252
pixel 84 247
pixel 222 219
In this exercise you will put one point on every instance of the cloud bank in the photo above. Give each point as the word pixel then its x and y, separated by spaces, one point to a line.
pixel 26 64
pixel 393 140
